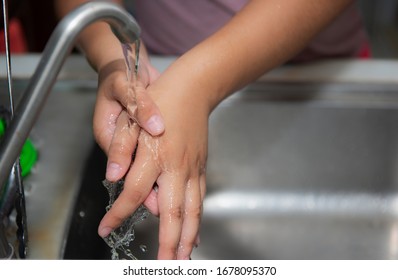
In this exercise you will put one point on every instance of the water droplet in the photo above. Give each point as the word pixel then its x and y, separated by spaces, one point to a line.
pixel 143 248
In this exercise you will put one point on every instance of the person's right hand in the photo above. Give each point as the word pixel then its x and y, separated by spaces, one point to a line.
pixel 121 109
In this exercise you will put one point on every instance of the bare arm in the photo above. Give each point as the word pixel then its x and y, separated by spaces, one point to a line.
pixel 265 34
pixel 95 39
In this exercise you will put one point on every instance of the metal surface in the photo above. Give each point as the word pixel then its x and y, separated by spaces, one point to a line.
pixel 63 140
pixel 303 172
pixel 21 216
pixel 5 251
pixel 8 57
pixel 15 195
pixel 53 57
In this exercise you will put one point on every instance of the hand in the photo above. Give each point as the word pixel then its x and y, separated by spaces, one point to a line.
pixel 175 161
pixel 122 107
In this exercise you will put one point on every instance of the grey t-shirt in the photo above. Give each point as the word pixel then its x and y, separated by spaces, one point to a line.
pixel 171 27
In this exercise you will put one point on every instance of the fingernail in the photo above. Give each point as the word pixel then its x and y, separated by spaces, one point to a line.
pixel 113 171
pixel 104 232
pixel 155 125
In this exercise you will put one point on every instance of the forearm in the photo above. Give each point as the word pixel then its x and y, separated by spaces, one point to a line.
pixel 97 41
pixel 262 36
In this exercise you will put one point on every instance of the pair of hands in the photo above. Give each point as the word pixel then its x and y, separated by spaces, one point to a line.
pixel 155 118
pixel 185 94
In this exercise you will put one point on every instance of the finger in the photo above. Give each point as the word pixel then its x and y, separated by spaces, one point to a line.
pixel 192 217
pixel 151 202
pixel 202 185
pixel 137 186
pixel 202 181
pixel 171 198
pixel 148 114
pixel 122 147
pixel 140 107
pixel 104 121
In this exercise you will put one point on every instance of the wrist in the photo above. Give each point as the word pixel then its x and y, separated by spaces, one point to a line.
pixel 188 77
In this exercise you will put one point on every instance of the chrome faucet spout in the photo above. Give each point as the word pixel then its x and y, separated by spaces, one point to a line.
pixel 54 55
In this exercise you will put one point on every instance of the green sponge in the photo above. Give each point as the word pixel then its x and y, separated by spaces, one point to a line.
pixel 29 154
pixel 2 127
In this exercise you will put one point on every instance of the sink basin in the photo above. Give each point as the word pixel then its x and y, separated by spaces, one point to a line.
pixel 82 241
pixel 295 171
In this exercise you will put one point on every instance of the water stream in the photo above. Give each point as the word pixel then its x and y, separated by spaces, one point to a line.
pixel 120 239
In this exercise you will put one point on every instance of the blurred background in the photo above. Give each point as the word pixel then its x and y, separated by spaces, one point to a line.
pixel 35 20
pixel 328 161
pixel 381 20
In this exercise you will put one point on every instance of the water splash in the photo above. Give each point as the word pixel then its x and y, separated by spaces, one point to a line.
pixel 119 240
pixel 143 248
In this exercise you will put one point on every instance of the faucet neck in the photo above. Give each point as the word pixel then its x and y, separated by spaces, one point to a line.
pixel 54 55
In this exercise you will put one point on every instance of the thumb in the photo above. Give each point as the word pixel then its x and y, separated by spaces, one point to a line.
pixel 147 114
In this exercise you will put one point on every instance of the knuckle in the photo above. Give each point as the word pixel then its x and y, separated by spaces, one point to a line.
pixel 119 149
pixel 168 250
pixel 116 217
pixel 175 213
pixel 194 213
pixel 135 197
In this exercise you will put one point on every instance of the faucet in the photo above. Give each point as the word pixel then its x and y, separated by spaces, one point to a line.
pixel 53 57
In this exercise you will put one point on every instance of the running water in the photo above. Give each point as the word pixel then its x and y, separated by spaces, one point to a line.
pixel 119 240
pixel 130 61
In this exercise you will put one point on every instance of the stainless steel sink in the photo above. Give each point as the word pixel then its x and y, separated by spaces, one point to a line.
pixel 303 172
pixel 295 171
pixel 303 164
